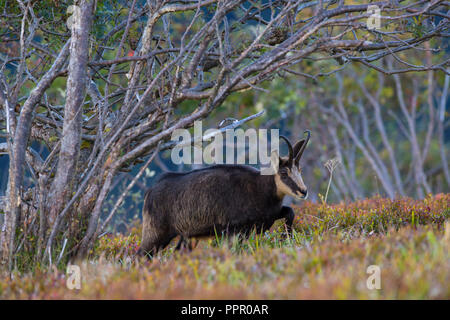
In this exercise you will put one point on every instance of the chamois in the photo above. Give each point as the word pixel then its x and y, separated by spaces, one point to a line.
pixel 221 198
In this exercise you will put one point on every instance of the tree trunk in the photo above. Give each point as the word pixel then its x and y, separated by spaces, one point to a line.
pixel 17 152
pixel 63 183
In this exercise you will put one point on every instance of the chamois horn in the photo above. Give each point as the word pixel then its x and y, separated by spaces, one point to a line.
pixel 300 152
pixel 291 152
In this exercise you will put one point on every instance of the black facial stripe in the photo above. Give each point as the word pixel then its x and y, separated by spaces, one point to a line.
pixel 291 184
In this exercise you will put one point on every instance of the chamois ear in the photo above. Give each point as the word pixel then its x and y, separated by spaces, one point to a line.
pixel 274 161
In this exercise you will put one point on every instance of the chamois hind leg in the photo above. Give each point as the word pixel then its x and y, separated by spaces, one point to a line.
pixel 155 236
pixel 288 214
pixel 150 248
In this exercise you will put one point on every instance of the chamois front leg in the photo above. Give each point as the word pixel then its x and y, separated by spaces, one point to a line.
pixel 288 214
pixel 184 243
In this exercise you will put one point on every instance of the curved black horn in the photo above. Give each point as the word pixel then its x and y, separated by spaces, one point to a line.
pixel 291 152
pixel 300 152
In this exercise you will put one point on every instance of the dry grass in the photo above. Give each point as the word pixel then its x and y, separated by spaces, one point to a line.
pixel 326 258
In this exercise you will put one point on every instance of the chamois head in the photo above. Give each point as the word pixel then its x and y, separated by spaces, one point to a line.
pixel 288 178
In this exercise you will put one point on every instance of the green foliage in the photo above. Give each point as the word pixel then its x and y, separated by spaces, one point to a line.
pixel 416 26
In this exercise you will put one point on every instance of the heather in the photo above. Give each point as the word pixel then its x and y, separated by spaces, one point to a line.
pixel 325 258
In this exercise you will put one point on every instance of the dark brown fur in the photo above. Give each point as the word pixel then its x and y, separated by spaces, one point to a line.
pixel 221 198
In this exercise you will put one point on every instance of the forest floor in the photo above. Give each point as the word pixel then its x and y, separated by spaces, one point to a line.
pixel 327 257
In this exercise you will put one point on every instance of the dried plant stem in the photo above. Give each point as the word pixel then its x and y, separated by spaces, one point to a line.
pixel 329 184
